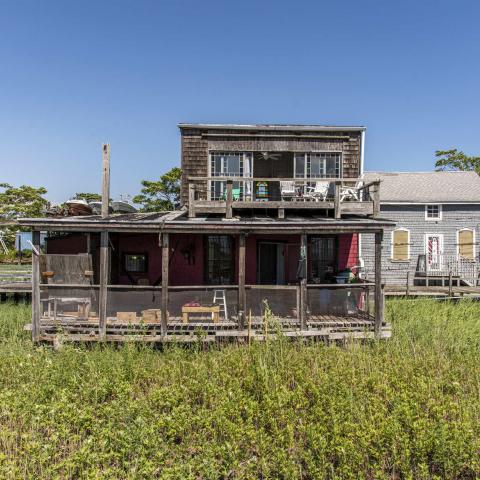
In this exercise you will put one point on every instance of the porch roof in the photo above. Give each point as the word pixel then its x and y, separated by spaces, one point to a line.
pixel 176 222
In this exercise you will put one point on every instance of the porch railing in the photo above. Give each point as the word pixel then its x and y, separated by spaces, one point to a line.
pixel 445 265
pixel 223 193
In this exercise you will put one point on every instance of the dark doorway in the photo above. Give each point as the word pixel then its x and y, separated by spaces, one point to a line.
pixel 271 263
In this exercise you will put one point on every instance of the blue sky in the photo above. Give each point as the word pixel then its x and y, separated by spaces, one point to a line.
pixel 76 73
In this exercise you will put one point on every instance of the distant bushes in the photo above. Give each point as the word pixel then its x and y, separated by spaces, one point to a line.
pixel 406 408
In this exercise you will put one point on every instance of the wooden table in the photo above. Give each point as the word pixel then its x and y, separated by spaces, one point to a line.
pixel 213 309
pixel 83 305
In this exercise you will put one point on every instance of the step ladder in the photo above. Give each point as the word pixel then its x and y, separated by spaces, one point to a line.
pixel 220 299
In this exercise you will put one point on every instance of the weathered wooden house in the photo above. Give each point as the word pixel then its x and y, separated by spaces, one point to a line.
pixel 269 223
pixel 434 240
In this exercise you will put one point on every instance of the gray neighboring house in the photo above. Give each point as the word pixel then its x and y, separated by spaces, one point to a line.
pixel 437 217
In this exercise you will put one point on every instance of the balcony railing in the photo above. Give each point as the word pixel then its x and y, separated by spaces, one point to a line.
pixel 222 194
pixel 449 265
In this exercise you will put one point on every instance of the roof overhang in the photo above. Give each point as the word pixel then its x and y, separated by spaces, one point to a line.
pixel 211 225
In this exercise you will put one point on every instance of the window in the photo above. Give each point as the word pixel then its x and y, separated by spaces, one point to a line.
pixel 219 260
pixel 401 245
pixel 135 262
pixel 230 164
pixel 433 212
pixel 318 165
pixel 466 243
pixel 324 258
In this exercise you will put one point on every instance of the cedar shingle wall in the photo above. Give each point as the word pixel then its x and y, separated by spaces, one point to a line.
pixel 195 148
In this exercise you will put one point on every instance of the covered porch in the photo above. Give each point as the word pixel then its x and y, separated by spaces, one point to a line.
pixel 204 279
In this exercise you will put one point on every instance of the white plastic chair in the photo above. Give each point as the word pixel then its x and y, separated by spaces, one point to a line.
pixel 319 192
pixel 351 193
pixel 288 190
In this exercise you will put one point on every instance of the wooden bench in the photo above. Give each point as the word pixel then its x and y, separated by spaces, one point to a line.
pixel 213 309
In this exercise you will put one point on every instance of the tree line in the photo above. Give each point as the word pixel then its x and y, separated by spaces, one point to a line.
pixel 26 201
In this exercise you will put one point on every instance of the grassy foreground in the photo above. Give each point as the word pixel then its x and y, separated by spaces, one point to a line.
pixel 406 408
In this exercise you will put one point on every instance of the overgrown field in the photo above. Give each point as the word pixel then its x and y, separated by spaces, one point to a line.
pixel 406 408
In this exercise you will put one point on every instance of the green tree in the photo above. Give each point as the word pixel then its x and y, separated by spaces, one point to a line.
pixel 19 202
pixel 456 160
pixel 163 194
pixel 89 197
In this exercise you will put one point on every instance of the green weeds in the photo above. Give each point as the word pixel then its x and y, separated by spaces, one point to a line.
pixel 406 408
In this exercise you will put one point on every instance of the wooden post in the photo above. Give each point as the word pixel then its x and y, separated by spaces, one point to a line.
pixel 104 246
pixel 104 278
pixel 303 284
pixel 242 307
pixel 378 284
pixel 407 290
pixel 376 199
pixel 191 200
pixel 450 284
pixel 165 264
pixel 281 213
pixel 89 242
pixel 336 203
pixel 36 306
pixel 229 212
pixel 105 179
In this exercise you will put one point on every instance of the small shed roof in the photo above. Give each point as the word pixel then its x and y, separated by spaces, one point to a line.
pixel 427 187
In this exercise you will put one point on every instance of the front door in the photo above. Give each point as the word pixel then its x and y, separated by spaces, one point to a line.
pixel 434 247
pixel 271 263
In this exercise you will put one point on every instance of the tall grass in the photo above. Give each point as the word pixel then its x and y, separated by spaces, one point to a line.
pixel 406 408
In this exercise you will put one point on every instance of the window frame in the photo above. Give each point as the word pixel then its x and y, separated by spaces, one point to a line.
pixel 392 244
pixel 311 256
pixel 245 155
pixel 474 252
pixel 134 272
pixel 440 212
pixel 308 163
pixel 206 273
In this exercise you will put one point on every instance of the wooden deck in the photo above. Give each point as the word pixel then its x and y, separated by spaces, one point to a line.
pixel 321 327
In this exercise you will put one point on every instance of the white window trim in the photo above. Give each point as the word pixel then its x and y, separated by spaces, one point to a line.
pixel 313 152
pixel 474 241
pixel 209 169
pixel 408 245
pixel 440 212
pixel 440 236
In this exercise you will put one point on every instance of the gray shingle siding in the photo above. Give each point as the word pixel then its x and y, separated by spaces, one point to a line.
pixel 412 217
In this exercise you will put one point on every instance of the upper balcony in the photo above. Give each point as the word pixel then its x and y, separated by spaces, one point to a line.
pixel 332 195
pixel 275 167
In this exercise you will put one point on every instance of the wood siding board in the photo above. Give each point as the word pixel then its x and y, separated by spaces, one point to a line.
pixel 195 149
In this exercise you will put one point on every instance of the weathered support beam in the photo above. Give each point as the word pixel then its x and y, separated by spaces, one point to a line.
pixel 376 199
pixel 303 283
pixel 89 242
pixel 281 213
pixel 105 179
pixel 165 265
pixel 36 286
pixel 242 303
pixel 229 212
pixel 191 200
pixel 104 281
pixel 337 206
pixel 378 284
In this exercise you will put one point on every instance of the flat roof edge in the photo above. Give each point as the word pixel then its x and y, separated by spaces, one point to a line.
pixel 272 127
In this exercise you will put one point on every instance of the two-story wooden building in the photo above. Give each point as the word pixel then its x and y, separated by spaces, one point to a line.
pixel 269 223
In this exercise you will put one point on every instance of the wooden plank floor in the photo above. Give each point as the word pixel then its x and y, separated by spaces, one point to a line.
pixel 320 326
